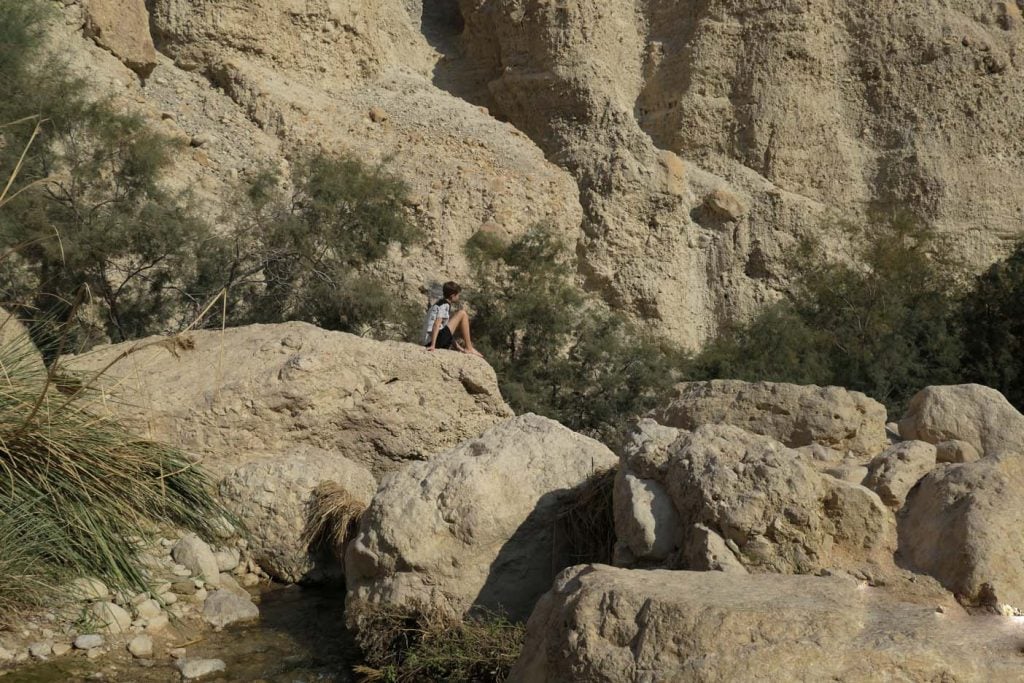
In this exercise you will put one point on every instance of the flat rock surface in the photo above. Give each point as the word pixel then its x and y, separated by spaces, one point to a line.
pixel 238 395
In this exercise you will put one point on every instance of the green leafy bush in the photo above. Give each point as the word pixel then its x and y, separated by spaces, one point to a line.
pixel 881 320
pixel 304 253
pixel 88 211
pixel 992 316
pixel 557 351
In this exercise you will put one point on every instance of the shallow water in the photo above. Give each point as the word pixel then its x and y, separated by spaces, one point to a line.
pixel 300 638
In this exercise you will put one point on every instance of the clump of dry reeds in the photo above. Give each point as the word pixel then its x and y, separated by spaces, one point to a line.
pixel 421 643
pixel 586 522
pixel 332 519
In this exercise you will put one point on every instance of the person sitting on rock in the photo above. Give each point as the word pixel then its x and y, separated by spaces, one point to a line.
pixel 442 325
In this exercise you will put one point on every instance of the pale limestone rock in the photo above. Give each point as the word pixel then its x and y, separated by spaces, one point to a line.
pixel 707 551
pixel 963 524
pixel 851 472
pixel 157 624
pixel 224 607
pixel 195 554
pixel 193 669
pixel 893 473
pixel 227 560
pixel 474 526
pixel 88 641
pixel 141 646
pixel 148 609
pixel 41 649
pixel 88 589
pixel 111 618
pixel 792 414
pixel 266 389
pixel 725 204
pixel 772 508
pixel 648 524
pixel 271 497
pixel 228 583
pixel 956 451
pixel 973 413
pixel 622 626
pixel 122 26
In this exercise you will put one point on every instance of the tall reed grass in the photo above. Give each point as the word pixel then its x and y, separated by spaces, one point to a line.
pixel 79 494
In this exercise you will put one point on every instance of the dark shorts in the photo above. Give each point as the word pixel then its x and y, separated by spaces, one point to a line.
pixel 444 339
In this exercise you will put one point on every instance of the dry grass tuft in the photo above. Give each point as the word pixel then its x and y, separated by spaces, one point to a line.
pixel 423 643
pixel 332 519
pixel 587 521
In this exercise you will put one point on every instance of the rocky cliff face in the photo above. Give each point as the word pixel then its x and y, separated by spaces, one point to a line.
pixel 680 145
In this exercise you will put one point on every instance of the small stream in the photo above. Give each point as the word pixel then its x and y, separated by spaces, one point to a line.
pixel 300 638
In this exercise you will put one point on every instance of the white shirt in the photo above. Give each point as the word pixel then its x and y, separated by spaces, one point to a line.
pixel 442 311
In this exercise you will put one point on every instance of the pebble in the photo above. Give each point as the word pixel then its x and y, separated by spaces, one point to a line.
pixel 61 649
pixel 89 641
pixel 41 650
pixel 141 646
pixel 95 652
pixel 148 609
pixel 157 623
pixel 88 589
pixel 197 668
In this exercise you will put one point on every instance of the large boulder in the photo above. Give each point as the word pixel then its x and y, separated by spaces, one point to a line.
pixel 273 496
pixel 122 26
pixel 964 525
pixel 599 624
pixel 795 415
pixel 973 413
pixel 475 526
pixel 893 473
pixel 267 388
pixel 772 508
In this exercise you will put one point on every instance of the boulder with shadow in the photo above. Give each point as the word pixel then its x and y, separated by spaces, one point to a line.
pixel 476 527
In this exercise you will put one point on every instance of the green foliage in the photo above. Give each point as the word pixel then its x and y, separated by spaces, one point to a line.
pixel 992 314
pixel 878 321
pixel 421 644
pixel 302 254
pixel 88 211
pixel 80 492
pixel 557 351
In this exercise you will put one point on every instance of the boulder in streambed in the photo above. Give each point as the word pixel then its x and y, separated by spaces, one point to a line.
pixel 475 526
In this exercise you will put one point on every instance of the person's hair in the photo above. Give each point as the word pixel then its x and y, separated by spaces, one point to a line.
pixel 450 289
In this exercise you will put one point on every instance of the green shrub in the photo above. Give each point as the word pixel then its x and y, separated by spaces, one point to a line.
pixel 557 351
pixel 303 254
pixel 80 493
pixel 992 316
pixel 880 320
pixel 88 212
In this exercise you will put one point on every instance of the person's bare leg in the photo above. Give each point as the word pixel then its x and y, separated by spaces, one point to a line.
pixel 459 325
